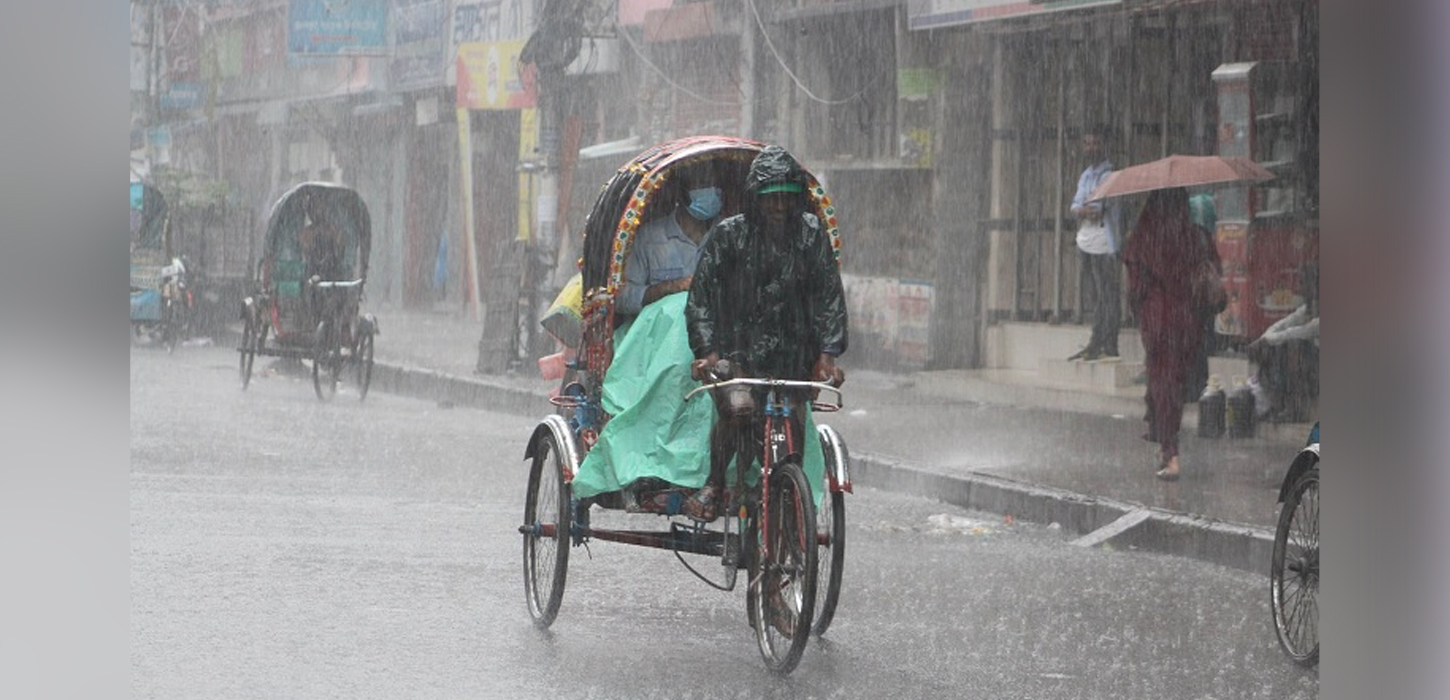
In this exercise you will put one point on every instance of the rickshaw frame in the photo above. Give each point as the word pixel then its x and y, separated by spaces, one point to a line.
pixel 325 324
pixel 558 444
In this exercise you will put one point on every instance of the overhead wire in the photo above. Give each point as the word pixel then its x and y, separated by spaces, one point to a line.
pixel 665 76
pixel 794 78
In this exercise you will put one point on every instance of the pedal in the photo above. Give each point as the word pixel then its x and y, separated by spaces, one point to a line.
pixel 665 502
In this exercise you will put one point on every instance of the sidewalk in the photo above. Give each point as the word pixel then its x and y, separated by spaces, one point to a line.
pixel 1003 441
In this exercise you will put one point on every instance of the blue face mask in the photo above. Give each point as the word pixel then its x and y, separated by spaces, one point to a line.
pixel 705 203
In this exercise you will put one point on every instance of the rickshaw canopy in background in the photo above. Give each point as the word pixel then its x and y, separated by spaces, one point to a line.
pixel 148 216
pixel 150 251
pixel 1180 171
pixel 341 205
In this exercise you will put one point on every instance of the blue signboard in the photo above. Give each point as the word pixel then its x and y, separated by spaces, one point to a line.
pixel 182 96
pixel 337 27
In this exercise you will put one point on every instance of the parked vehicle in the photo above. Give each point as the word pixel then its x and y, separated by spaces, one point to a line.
pixel 161 300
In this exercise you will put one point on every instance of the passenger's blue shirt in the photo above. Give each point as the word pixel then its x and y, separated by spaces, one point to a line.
pixel 1112 214
pixel 662 252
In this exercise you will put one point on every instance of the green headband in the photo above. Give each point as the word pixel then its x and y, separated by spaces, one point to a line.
pixel 791 187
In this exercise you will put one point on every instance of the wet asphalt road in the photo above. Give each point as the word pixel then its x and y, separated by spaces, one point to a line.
pixel 281 547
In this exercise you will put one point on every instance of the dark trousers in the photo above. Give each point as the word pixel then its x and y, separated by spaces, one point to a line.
pixel 1198 373
pixel 1103 273
pixel 742 407
pixel 1290 374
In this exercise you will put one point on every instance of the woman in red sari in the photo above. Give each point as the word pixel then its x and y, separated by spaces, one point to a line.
pixel 1161 255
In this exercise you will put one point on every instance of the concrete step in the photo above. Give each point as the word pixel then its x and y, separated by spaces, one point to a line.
pixel 1101 377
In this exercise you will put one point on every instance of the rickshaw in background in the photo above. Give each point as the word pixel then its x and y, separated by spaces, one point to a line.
pixel 309 286
pixel 771 525
pixel 1294 564
pixel 160 299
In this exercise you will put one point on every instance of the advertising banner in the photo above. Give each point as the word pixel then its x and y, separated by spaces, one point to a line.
pixel 932 14
pixel 337 28
pixel 892 316
pixel 490 77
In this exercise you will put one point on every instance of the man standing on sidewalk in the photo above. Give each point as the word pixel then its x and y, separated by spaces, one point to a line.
pixel 1098 237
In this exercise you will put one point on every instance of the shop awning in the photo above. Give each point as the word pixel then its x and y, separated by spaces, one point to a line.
pixel 935 14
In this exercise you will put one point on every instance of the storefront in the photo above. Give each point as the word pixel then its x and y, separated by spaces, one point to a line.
pixel 1144 69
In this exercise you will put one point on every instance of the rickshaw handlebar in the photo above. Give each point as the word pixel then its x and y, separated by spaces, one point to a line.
pixel 817 404
pixel 327 284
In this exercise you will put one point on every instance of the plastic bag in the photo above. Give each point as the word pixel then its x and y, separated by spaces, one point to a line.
pixel 564 318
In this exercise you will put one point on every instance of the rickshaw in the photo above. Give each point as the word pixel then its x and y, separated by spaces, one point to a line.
pixel 308 288
pixel 160 299
pixel 792 549
pixel 1294 564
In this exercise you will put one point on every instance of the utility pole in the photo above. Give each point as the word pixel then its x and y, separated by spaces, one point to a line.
pixel 553 46
pixel 153 83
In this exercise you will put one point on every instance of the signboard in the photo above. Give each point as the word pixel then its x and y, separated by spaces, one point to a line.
pixel 891 316
pixel 632 12
pixel 420 41
pixel 490 77
pixel 182 96
pixel 933 14
pixel 1233 250
pixel 337 27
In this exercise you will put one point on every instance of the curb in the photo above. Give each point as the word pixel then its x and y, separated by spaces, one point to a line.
pixel 1098 521
pixel 466 391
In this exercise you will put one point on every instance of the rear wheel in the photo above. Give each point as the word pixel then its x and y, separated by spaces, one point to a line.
pixel 1294 571
pixel 546 533
pixel 251 336
pixel 326 360
pixel 362 357
pixel 783 570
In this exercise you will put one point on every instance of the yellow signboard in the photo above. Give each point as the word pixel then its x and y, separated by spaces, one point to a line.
pixel 490 77
pixel 528 143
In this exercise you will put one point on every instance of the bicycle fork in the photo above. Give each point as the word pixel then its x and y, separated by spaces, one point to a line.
pixel 780 443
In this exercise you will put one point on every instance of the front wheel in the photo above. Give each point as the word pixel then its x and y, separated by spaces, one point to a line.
pixel 362 357
pixel 326 360
pixel 546 533
pixel 171 322
pixel 251 336
pixel 783 570
pixel 1294 571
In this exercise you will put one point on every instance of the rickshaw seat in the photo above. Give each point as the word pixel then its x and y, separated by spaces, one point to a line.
pixel 288 276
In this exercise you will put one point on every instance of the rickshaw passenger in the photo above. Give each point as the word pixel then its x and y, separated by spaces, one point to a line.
pixel 767 295
pixel 667 248
pixel 652 431
pixel 322 245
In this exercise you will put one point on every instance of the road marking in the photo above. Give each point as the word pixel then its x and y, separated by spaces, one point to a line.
pixel 1128 521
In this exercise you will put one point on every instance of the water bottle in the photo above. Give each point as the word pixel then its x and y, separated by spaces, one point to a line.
pixel 1211 410
pixel 1239 412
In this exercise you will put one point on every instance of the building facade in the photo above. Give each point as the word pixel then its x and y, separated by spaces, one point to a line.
pixel 479 132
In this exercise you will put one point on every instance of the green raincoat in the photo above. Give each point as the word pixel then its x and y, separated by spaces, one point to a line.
pixel 771 303
pixel 653 431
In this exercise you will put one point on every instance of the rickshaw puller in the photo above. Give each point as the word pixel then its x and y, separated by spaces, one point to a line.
pixel 767 295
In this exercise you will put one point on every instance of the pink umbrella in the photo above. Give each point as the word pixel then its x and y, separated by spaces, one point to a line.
pixel 1180 171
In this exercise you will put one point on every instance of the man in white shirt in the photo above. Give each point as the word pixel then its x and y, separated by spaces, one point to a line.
pixel 1098 237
